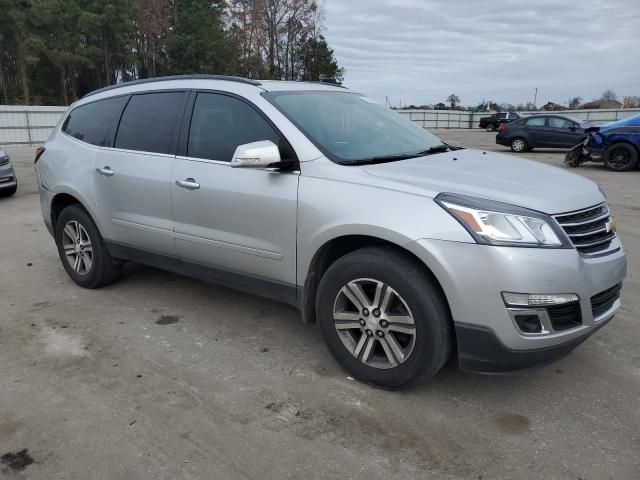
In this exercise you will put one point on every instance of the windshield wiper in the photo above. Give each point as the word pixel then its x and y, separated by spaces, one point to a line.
pixel 401 156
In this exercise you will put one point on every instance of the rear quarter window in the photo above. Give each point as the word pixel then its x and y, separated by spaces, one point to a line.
pixel 90 123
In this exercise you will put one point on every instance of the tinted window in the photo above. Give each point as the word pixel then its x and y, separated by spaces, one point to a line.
pixel 557 122
pixel 147 122
pixel 90 123
pixel 502 115
pixel 220 123
pixel 536 121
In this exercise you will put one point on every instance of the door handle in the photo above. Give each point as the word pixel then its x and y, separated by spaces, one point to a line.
pixel 106 171
pixel 189 184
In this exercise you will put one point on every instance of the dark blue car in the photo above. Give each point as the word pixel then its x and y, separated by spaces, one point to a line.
pixel 616 144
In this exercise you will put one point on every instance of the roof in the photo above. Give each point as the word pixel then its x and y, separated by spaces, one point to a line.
pixel 601 104
pixel 266 85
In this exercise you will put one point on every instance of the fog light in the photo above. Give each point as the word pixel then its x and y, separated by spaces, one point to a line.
pixel 528 323
pixel 537 300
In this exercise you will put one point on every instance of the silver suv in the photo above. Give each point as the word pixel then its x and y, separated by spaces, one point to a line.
pixel 403 248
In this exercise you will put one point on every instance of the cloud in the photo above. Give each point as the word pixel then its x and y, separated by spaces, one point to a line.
pixel 420 51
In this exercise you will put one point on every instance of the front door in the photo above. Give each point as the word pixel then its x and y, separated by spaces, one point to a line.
pixel 564 133
pixel 239 220
pixel 133 178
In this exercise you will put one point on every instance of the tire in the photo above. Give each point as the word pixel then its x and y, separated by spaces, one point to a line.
pixel 621 157
pixel 490 127
pixel 413 296
pixel 518 145
pixel 7 192
pixel 96 268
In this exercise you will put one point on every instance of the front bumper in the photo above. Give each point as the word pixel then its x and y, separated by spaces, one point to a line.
pixel 480 351
pixel 473 277
pixel 7 176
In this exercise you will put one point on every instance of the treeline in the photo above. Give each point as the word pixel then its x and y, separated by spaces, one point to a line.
pixel 55 51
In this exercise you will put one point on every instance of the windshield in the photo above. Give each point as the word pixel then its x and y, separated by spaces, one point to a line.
pixel 350 128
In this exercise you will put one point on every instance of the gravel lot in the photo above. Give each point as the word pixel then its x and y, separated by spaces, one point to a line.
pixel 163 377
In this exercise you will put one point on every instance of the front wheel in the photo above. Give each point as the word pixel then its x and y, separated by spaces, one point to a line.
pixel 82 250
pixel 490 127
pixel 621 157
pixel 383 317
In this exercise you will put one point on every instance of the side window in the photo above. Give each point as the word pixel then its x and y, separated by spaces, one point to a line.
pixel 148 121
pixel 502 115
pixel 91 122
pixel 556 122
pixel 536 121
pixel 220 123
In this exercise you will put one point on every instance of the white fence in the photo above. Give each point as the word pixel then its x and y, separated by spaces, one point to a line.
pixel 21 125
pixel 454 119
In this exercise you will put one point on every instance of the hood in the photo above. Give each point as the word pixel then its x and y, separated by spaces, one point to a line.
pixel 625 122
pixel 494 176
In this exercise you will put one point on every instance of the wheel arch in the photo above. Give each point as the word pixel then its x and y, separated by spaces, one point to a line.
pixel 335 248
pixel 618 141
pixel 63 199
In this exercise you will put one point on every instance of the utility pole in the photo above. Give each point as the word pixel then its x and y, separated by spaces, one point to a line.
pixel 535 98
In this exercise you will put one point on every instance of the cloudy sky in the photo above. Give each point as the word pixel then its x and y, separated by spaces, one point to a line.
pixel 420 51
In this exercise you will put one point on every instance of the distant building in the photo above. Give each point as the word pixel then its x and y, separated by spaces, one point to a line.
pixel 596 104
pixel 553 107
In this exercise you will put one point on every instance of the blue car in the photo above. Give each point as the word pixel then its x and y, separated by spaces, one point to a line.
pixel 616 144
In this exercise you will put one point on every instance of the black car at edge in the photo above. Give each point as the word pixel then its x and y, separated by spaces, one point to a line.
pixel 545 131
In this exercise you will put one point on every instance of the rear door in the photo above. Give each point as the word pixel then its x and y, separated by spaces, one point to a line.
pixel 132 177
pixel 537 131
pixel 564 133
pixel 240 220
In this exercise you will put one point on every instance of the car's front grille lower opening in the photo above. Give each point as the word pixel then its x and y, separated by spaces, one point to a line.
pixel 603 301
pixel 564 317
pixel 589 229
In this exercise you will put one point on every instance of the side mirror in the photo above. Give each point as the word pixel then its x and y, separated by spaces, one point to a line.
pixel 256 155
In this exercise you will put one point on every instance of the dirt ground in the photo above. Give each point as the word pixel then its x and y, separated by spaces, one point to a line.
pixel 163 377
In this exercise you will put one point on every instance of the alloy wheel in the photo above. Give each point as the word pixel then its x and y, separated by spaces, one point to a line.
pixel 374 323
pixel 77 247
pixel 619 159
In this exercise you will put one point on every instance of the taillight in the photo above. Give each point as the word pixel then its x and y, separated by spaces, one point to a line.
pixel 502 127
pixel 39 152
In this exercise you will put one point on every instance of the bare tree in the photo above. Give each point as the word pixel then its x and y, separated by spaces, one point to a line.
pixel 609 95
pixel 574 103
pixel 153 19
pixel 453 100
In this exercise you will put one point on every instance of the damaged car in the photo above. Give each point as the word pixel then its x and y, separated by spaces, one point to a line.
pixel 617 144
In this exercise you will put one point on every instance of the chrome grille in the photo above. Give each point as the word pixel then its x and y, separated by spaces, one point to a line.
pixel 589 229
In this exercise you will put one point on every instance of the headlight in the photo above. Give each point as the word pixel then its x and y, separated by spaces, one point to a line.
pixel 496 223
pixel 4 159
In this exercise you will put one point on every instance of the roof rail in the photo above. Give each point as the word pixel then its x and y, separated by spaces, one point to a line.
pixel 175 77
pixel 329 84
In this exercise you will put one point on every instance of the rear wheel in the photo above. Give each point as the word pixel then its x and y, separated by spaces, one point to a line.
pixel 82 250
pixel 490 127
pixel 519 145
pixel 383 318
pixel 621 157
